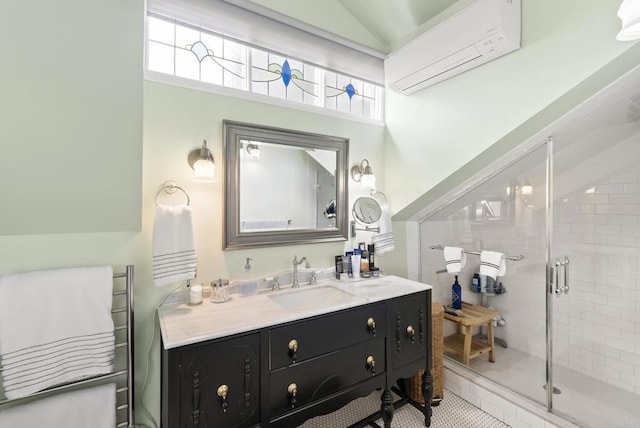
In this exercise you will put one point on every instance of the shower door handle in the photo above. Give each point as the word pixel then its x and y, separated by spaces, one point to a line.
pixel 561 265
pixel 566 275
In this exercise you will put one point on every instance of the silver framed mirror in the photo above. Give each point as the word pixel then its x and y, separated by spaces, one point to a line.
pixel 283 187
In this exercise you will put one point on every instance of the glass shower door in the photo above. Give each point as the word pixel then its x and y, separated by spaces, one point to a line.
pixel 507 214
pixel 595 294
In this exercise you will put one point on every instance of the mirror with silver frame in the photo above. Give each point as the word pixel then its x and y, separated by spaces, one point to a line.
pixel 283 187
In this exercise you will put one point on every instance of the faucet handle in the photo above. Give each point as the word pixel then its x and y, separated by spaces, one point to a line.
pixel 276 283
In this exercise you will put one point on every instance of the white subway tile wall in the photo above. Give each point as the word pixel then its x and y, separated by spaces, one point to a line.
pixel 598 324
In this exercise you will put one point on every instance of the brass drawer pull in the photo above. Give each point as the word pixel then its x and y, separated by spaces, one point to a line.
pixel 292 389
pixel 222 392
pixel 293 350
pixel 371 363
pixel 371 323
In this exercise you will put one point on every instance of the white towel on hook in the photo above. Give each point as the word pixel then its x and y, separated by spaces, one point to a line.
pixel 174 251
pixel 90 407
pixel 384 241
pixel 55 328
pixel 492 264
pixel 455 259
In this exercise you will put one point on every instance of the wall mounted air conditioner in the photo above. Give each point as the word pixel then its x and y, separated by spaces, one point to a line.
pixel 483 31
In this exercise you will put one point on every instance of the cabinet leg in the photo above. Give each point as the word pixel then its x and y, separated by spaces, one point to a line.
pixel 427 394
pixel 387 407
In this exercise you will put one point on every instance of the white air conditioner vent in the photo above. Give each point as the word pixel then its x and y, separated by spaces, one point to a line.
pixel 485 30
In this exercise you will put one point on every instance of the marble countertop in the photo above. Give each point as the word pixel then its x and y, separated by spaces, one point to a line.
pixel 182 324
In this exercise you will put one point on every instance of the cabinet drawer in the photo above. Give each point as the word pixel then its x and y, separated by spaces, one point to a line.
pixel 324 334
pixel 205 371
pixel 408 328
pixel 323 376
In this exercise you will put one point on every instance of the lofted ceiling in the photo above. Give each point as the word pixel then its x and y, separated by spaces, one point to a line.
pixel 380 25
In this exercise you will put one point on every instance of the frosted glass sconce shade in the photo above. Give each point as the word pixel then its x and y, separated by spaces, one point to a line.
pixel 364 175
pixel 201 160
pixel 629 14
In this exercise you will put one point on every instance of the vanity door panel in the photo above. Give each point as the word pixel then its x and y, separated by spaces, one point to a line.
pixel 408 335
pixel 321 377
pixel 219 383
pixel 325 334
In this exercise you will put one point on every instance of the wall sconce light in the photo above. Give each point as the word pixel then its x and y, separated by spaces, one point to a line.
pixel 201 160
pixel 254 150
pixel 364 175
pixel 629 14
pixel 526 189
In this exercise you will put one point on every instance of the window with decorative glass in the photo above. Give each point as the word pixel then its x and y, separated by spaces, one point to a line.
pixel 185 51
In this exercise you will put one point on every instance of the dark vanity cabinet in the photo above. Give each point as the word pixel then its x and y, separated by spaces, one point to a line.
pixel 212 384
pixel 282 375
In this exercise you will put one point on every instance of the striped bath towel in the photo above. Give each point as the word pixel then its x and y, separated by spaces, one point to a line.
pixel 55 327
pixel 174 251
pixel 384 241
pixel 492 264
pixel 93 407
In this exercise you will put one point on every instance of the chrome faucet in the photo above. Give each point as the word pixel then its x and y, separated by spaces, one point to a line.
pixel 297 262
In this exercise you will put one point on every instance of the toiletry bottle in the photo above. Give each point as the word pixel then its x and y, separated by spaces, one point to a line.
pixel 364 261
pixel 355 265
pixel 349 264
pixel 456 295
pixel 372 258
pixel 475 283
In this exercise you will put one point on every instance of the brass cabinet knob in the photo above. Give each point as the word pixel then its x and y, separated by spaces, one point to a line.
pixel 292 389
pixel 293 350
pixel 371 323
pixel 222 392
pixel 411 332
pixel 371 363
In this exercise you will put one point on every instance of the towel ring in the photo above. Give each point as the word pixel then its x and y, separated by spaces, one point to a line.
pixel 170 188
pixel 380 197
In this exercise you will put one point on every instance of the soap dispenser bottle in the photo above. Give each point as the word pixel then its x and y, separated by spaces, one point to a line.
pixel 456 295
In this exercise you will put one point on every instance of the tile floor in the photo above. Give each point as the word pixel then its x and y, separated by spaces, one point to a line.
pixel 591 402
pixel 453 412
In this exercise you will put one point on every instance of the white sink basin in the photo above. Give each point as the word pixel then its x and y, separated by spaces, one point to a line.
pixel 324 295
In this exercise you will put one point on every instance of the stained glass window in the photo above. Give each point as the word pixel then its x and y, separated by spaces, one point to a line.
pixel 285 78
pixel 349 95
pixel 193 53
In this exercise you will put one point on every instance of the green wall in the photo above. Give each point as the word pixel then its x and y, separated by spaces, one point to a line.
pixel 71 108
pixel 133 136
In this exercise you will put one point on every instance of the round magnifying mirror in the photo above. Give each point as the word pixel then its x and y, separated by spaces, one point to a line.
pixel 330 210
pixel 366 210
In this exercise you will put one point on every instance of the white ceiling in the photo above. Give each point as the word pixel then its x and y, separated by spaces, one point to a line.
pixel 380 25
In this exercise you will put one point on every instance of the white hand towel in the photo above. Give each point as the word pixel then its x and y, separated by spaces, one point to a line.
pixel 455 259
pixel 492 264
pixel 55 327
pixel 384 241
pixel 91 407
pixel 174 251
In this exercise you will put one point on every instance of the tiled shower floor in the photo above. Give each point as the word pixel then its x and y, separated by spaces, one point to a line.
pixel 453 412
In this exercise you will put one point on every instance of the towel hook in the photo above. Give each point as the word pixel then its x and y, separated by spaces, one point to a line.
pixel 170 188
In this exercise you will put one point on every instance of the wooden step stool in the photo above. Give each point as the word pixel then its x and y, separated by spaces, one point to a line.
pixel 463 344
